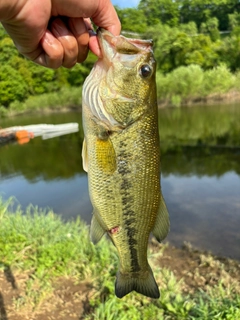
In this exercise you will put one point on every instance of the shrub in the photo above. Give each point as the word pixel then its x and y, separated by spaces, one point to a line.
pixel 218 80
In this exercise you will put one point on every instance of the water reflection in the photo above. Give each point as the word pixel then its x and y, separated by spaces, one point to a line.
pixel 205 211
pixel 200 179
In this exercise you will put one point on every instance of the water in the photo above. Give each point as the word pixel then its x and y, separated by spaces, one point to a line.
pixel 200 174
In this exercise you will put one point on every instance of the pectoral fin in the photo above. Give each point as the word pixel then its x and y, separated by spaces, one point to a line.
pixel 106 157
pixel 96 230
pixel 161 227
pixel 84 156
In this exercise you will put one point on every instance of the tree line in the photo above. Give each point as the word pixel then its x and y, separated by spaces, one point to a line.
pixel 202 33
pixel 175 12
pixel 185 32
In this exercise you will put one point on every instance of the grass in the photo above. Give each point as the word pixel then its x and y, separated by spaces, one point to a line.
pixel 40 245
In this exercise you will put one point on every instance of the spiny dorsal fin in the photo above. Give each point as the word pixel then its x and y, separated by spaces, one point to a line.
pixel 162 224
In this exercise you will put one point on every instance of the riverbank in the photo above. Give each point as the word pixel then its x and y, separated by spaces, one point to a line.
pixel 70 100
pixel 230 97
pixel 50 270
pixel 184 86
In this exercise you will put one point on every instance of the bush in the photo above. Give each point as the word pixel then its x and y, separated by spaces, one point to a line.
pixel 66 97
pixel 12 85
pixel 218 80
pixel 186 81
pixel 183 83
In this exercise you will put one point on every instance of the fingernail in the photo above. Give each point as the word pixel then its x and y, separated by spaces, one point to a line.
pixel 48 37
pixel 92 33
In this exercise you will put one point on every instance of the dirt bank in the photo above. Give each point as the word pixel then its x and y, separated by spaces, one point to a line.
pixel 71 299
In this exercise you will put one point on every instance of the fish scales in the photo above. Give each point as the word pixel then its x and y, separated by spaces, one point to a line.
pixel 121 155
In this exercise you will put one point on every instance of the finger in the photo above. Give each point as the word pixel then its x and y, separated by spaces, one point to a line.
pixel 52 53
pixel 107 17
pixel 102 12
pixel 94 45
pixel 68 42
pixel 80 32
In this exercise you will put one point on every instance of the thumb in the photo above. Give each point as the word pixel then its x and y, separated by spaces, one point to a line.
pixel 106 17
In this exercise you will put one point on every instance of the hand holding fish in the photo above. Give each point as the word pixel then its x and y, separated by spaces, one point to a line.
pixel 55 33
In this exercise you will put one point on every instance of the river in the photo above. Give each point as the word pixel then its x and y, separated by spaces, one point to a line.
pixel 200 173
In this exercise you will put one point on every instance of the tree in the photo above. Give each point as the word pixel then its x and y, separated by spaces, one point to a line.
pixel 174 48
pixel 211 27
pixel 132 19
pixel 7 50
pixel 234 20
pixel 12 85
pixel 202 10
pixel 3 33
pixel 164 11
pixel 229 51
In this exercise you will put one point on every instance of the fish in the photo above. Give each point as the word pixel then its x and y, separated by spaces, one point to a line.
pixel 121 154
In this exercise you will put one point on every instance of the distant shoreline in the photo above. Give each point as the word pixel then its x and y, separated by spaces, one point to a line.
pixel 213 99
pixel 71 101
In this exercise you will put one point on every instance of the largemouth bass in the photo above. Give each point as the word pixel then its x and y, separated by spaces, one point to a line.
pixel 121 155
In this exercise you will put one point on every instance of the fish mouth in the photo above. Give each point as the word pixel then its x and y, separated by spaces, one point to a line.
pixel 110 44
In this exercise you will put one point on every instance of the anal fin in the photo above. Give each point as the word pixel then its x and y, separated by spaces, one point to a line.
pixel 96 230
pixel 162 224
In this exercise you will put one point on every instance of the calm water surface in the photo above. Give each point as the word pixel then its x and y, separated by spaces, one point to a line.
pixel 200 174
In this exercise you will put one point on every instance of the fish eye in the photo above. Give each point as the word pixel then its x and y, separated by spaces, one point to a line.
pixel 145 71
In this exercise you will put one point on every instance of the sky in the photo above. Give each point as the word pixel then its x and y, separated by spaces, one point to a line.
pixel 125 3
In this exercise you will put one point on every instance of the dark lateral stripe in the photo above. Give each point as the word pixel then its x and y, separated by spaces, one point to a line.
pixel 132 242
pixel 127 201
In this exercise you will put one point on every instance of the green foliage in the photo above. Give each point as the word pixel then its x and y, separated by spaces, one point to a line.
pixel 21 79
pixel 132 19
pixel 229 50
pixel 200 11
pixel 164 11
pixel 234 20
pixel 174 26
pixel 211 27
pixel 39 240
pixel 66 97
pixel 218 80
pixel 12 85
pixel 184 11
pixel 7 50
pixel 76 76
pixel 193 83
pixel 189 28
pixel 3 112
pixel 3 33
pixel 182 83
pixel 175 47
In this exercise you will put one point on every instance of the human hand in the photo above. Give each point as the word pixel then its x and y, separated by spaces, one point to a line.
pixel 55 33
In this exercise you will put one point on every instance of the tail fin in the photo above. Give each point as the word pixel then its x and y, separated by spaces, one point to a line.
pixel 145 285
